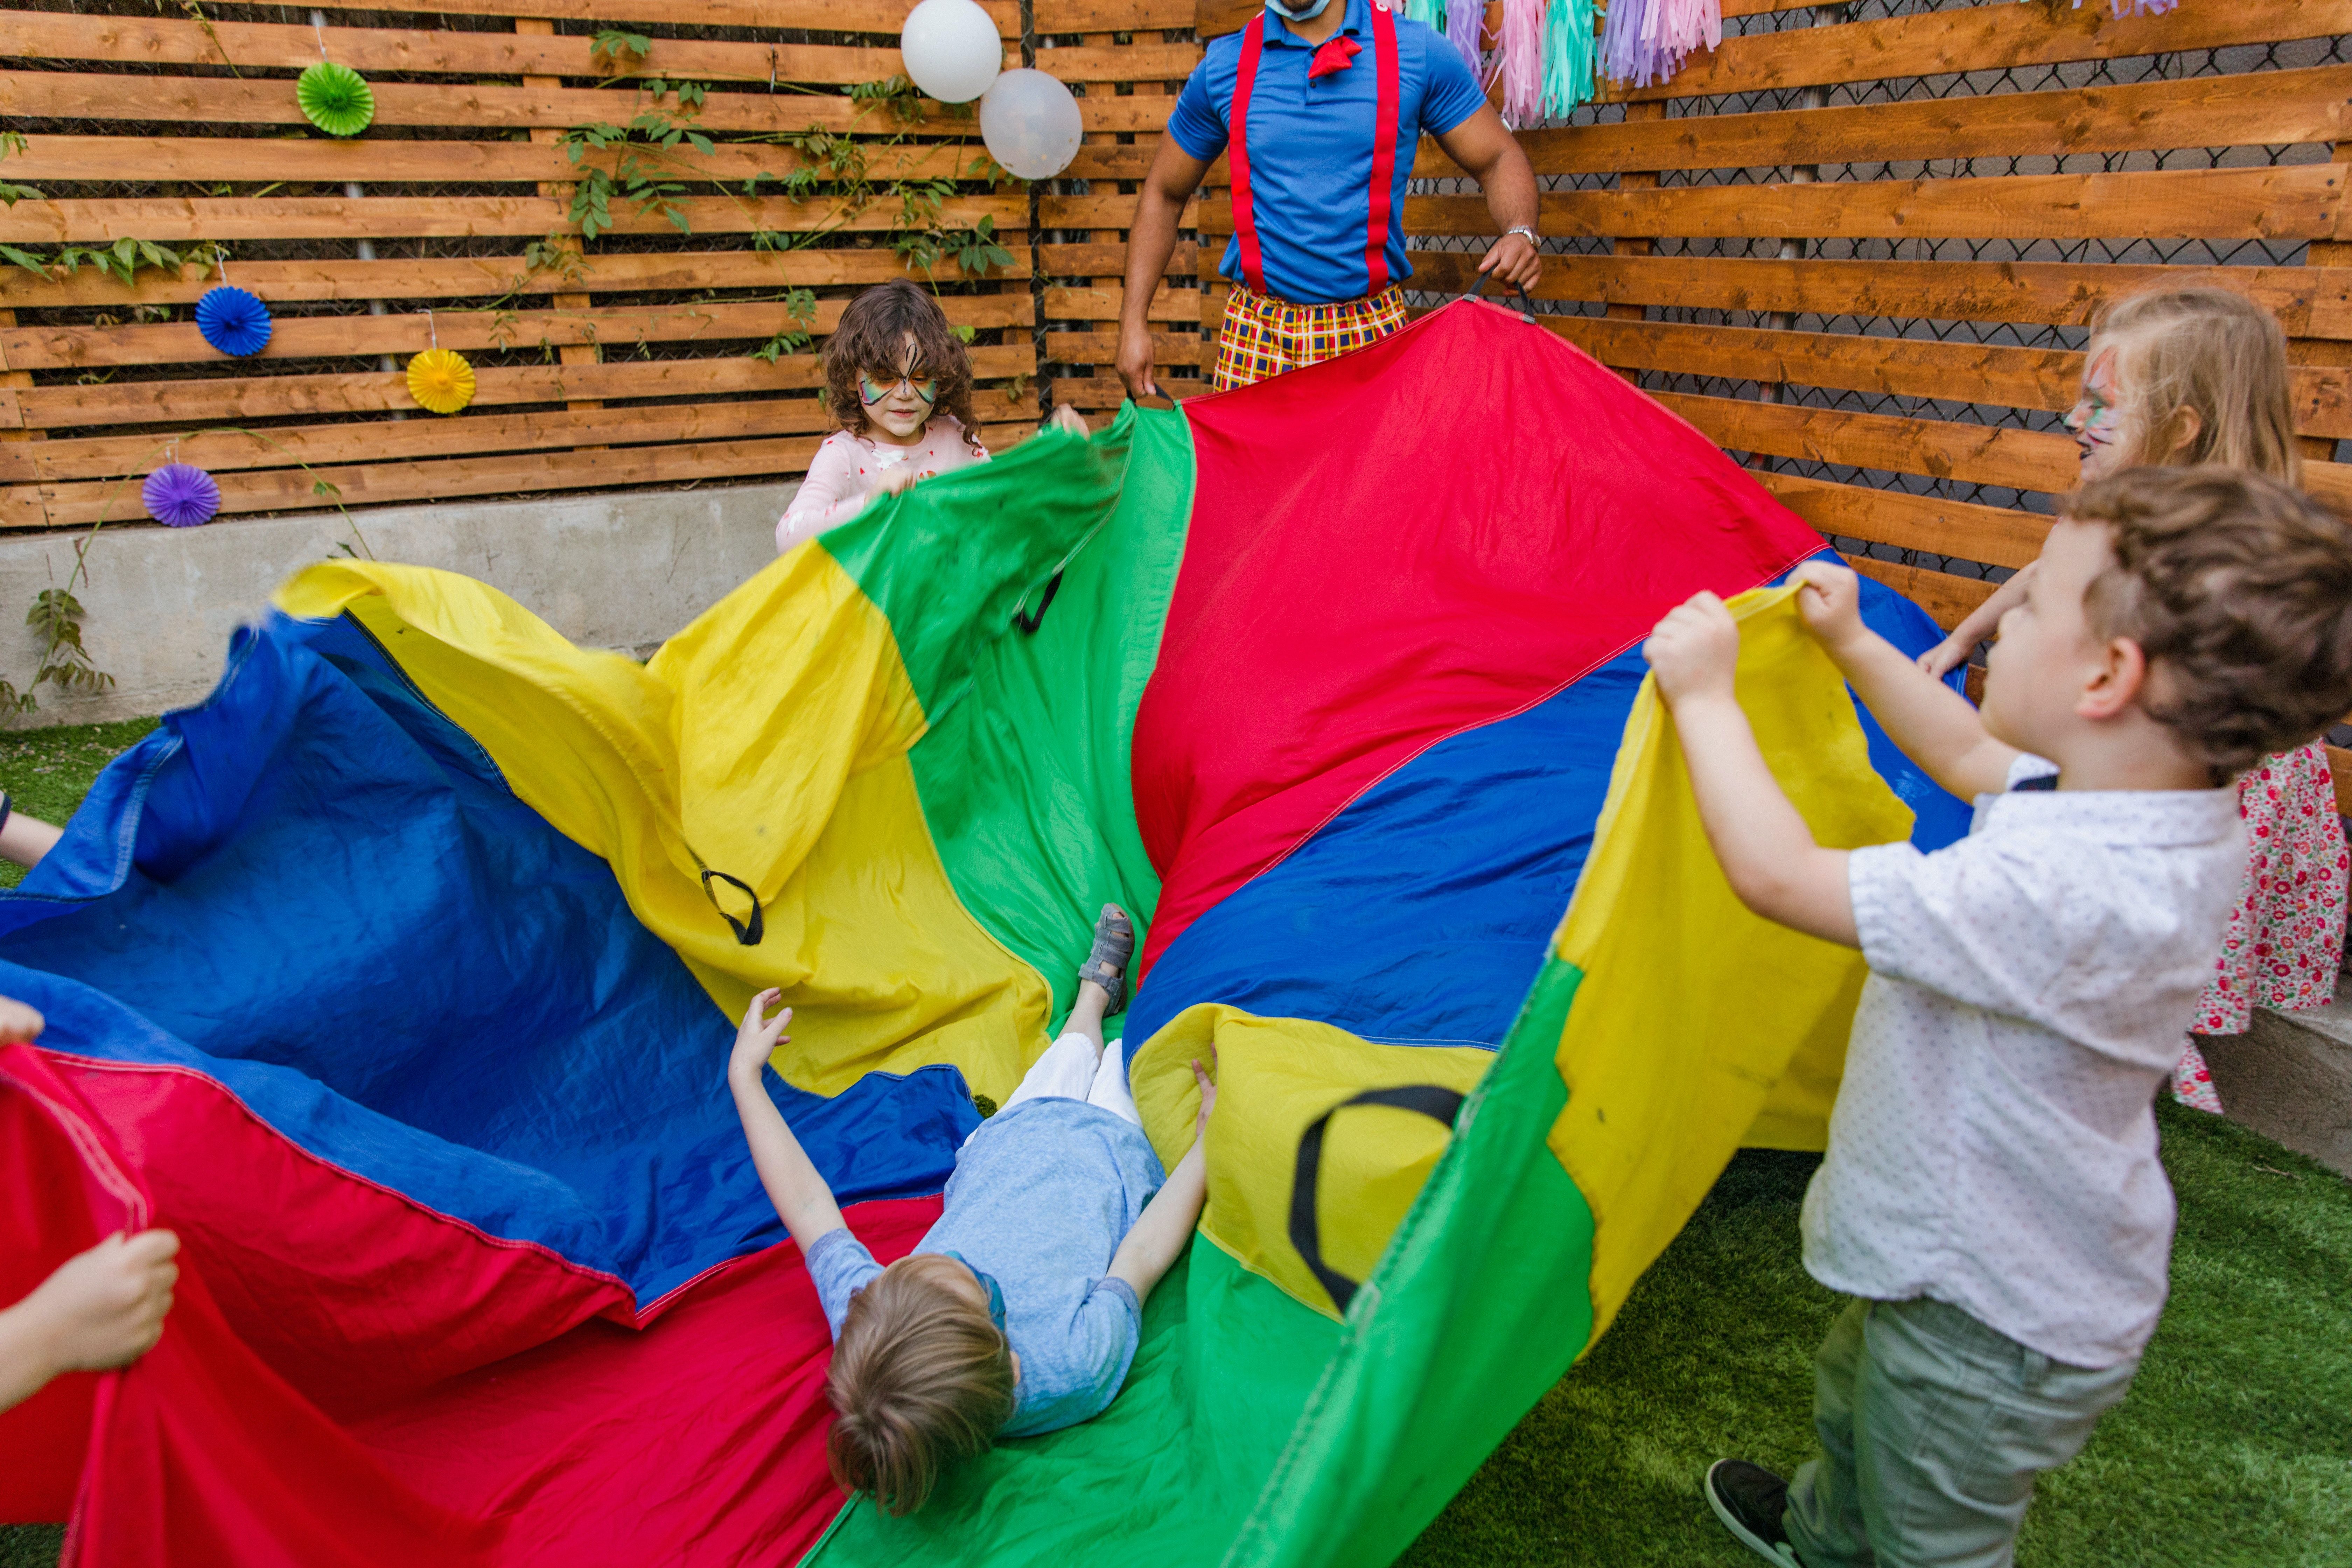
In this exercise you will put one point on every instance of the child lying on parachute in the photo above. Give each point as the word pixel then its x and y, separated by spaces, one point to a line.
pixel 1018 1312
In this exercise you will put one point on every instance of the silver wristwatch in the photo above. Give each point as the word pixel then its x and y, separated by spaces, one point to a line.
pixel 1525 233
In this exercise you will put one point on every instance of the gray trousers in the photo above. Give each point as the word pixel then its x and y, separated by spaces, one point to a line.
pixel 1932 1428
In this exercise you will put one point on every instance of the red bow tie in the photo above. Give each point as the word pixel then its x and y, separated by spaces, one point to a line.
pixel 1337 55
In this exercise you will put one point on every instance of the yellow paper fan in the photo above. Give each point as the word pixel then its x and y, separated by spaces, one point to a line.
pixel 441 380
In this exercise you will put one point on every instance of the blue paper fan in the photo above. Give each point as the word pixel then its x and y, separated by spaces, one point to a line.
pixel 233 322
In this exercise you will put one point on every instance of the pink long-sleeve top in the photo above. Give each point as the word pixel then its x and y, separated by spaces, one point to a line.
pixel 849 468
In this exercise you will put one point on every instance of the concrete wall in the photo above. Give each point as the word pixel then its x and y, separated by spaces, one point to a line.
pixel 619 571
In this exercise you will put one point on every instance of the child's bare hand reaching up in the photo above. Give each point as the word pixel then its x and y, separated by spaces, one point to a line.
pixel 758 1038
pixel 803 1200
pixel 1208 1096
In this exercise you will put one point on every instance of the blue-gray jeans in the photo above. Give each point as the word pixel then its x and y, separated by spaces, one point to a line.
pixel 1933 1427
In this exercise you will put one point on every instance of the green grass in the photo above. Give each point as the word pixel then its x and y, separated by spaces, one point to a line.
pixel 2235 1449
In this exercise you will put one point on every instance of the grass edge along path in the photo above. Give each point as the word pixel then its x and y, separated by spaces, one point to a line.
pixel 2232 1451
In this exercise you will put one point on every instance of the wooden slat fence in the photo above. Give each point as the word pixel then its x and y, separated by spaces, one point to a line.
pixel 1858 245
pixel 629 358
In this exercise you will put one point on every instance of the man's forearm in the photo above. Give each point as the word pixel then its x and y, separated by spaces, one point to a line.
pixel 1149 244
pixel 1510 189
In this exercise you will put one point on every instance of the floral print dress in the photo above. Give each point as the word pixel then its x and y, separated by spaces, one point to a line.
pixel 2285 939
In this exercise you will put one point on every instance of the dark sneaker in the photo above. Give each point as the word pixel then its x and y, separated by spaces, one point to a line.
pixel 1751 1499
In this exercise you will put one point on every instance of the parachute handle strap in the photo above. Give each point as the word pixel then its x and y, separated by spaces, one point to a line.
pixel 747 934
pixel 1527 303
pixel 1432 1101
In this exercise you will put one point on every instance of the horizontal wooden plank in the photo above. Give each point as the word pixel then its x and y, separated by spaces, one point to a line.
pixel 1102 348
pixel 430 435
pixel 1112 15
pixel 1104 304
pixel 325 160
pixel 1138 61
pixel 1970 453
pixel 1109 392
pixel 1991 534
pixel 375 484
pixel 2295 202
pixel 1116 211
pixel 1948 598
pixel 178 220
pixel 2310 302
pixel 335 337
pixel 216 101
pixel 804 15
pixel 56 36
pixel 483 277
pixel 1110 260
pixel 216 400
pixel 1981 37
pixel 2262 108
pixel 2046 379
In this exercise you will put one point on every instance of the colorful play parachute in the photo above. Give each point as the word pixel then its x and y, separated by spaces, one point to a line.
pixel 397 977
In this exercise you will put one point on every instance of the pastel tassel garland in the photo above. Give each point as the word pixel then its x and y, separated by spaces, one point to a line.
pixel 1646 41
pixel 2124 8
pixel 1428 12
pixel 1568 62
pixel 1522 61
pixel 180 495
pixel 1465 21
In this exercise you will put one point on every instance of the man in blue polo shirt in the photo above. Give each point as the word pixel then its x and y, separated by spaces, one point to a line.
pixel 1320 104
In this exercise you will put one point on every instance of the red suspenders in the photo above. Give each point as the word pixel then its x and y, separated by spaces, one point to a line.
pixel 1384 140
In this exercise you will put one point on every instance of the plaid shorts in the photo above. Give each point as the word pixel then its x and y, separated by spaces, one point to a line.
pixel 1263 336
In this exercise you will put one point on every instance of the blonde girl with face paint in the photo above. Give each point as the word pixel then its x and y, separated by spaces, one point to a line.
pixel 2173 377
pixel 899 385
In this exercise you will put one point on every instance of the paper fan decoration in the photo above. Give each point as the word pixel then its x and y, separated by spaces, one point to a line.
pixel 335 99
pixel 180 495
pixel 233 322
pixel 441 380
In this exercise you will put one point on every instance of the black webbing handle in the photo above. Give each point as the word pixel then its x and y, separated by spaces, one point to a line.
pixel 747 934
pixel 1527 301
pixel 1029 622
pixel 1432 1101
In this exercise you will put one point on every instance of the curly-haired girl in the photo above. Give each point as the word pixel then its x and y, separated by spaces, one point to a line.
pixel 899 386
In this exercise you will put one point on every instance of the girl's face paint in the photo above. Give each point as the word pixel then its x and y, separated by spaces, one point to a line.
pixel 2101 419
pixel 898 400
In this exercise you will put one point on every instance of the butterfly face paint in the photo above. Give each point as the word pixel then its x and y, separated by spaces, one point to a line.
pixel 2100 418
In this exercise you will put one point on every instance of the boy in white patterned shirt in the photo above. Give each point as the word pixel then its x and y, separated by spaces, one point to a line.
pixel 1992 1196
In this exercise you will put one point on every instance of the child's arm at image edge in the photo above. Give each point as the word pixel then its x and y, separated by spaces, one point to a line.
pixel 1766 852
pixel 803 1200
pixel 1168 1221
pixel 1934 726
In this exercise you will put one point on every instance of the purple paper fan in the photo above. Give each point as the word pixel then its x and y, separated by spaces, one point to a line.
pixel 180 495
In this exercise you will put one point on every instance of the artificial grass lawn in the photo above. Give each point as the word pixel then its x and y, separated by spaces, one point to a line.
pixel 2233 1450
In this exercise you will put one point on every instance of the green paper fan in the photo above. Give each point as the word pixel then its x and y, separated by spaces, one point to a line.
pixel 335 99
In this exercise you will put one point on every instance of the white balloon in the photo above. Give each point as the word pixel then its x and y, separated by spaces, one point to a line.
pixel 953 49
pixel 1031 124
